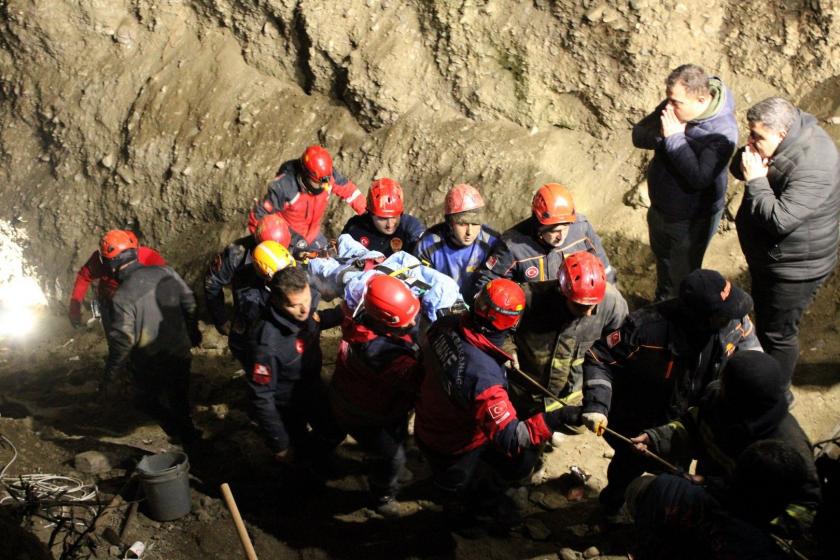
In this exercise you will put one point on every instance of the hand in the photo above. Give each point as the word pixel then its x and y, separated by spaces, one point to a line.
pixel 753 165
pixel 641 442
pixel 568 415
pixel 224 329
pixel 595 421
pixel 670 123
pixel 75 313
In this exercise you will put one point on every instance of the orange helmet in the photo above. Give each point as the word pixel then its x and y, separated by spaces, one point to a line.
pixel 462 198
pixel 553 205
pixel 385 198
pixel 582 279
pixel 389 301
pixel 500 304
pixel 115 242
pixel 274 227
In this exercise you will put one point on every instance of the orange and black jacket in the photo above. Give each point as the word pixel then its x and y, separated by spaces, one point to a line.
pixel 658 364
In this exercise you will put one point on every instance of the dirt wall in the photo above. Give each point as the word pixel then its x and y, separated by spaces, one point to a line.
pixel 172 115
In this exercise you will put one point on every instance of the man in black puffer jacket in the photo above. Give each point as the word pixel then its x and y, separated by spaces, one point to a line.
pixel 788 221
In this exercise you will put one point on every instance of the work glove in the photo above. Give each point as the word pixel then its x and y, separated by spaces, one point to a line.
pixel 564 416
pixel 595 421
pixel 224 328
pixel 75 313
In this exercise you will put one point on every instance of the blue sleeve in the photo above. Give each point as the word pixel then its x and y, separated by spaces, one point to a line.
pixel 699 163
pixel 647 133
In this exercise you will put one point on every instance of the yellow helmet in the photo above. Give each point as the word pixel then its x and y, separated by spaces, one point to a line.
pixel 269 257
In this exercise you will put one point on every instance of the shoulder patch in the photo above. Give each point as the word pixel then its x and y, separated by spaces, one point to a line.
pixel 268 206
pixel 499 411
pixel 492 262
pixel 396 244
pixel 261 375
pixel 364 240
pixel 300 346
pixel 613 338
pixel 531 272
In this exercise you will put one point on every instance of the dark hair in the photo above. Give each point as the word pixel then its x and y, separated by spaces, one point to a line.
pixel 768 474
pixel 692 77
pixel 289 280
pixel 775 113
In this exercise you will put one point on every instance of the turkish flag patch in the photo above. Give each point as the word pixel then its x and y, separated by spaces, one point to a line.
pixel 532 271
pixel 491 262
pixel 300 346
pixel 364 241
pixel 499 411
pixel 613 338
pixel 261 374
pixel 268 206
pixel 216 265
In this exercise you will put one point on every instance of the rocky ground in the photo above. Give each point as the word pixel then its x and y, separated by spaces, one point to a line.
pixel 51 413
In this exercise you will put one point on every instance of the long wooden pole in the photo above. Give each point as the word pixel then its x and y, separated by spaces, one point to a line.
pixel 247 547
pixel 549 394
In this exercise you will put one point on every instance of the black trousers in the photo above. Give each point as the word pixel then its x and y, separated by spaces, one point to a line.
pixel 164 393
pixel 454 474
pixel 779 305
pixel 679 247
pixel 386 447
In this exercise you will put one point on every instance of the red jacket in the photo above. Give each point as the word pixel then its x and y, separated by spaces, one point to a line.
pixel 376 377
pixel 301 209
pixel 94 269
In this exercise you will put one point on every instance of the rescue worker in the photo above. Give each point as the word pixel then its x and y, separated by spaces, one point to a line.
pixel 658 364
pixel 562 320
pixel 95 269
pixel 463 412
pixel 284 373
pixel 676 518
pixel 385 227
pixel 531 250
pixel 746 405
pixel 459 245
pixel 377 376
pixel 154 325
pixel 234 267
pixel 300 193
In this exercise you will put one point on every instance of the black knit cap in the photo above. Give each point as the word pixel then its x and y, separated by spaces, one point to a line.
pixel 707 292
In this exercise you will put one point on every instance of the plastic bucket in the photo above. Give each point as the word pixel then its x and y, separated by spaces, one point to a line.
pixel 165 481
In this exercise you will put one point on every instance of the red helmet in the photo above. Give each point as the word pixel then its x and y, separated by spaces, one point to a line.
pixel 317 164
pixel 462 198
pixel 389 301
pixel 553 205
pixel 582 279
pixel 115 242
pixel 501 303
pixel 273 227
pixel 385 198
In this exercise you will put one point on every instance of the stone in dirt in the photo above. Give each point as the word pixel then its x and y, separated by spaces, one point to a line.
pixel 92 462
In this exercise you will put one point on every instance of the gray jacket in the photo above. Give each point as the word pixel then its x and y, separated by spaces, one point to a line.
pixel 154 317
pixel 788 221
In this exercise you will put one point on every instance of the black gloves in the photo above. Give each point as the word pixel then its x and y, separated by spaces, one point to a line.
pixel 568 415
